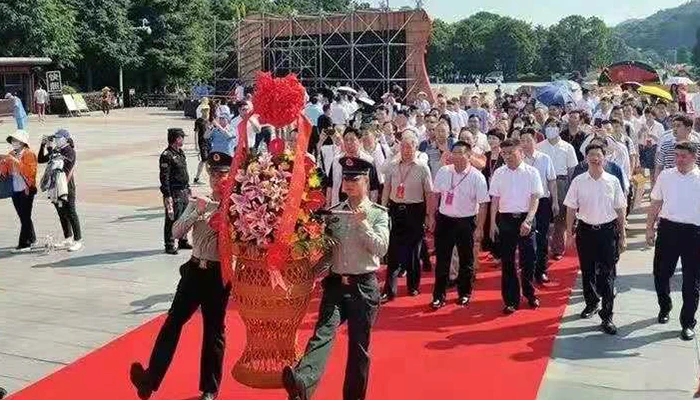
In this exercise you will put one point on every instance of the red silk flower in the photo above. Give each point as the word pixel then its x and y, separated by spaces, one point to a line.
pixel 276 147
pixel 315 199
pixel 278 101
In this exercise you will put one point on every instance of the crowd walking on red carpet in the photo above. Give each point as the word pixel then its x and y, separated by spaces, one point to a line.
pixel 502 174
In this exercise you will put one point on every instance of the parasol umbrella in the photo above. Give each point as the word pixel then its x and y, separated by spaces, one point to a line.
pixel 655 91
pixel 679 80
pixel 556 93
pixel 366 100
pixel 347 89
pixel 633 85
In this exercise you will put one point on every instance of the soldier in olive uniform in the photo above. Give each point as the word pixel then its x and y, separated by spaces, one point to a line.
pixel 202 286
pixel 350 291
pixel 175 186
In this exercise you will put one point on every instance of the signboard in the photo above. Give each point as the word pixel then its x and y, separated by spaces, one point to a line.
pixel 70 103
pixel 53 82
pixel 80 102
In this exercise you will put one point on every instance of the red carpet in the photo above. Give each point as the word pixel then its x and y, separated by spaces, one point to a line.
pixel 452 354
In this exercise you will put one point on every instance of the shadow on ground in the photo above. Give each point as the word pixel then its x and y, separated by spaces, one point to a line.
pixel 100 259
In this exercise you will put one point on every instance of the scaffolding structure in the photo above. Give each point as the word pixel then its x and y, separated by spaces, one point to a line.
pixel 372 49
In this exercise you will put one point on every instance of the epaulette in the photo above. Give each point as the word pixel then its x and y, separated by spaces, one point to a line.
pixel 379 206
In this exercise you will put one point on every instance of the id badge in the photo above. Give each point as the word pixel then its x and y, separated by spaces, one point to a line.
pixel 400 191
pixel 449 198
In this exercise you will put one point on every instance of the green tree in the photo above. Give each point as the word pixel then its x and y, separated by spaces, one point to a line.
pixel 107 39
pixel 439 60
pixel 696 48
pixel 512 46
pixel 40 28
pixel 578 44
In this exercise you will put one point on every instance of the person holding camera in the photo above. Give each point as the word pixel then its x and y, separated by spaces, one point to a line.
pixel 57 150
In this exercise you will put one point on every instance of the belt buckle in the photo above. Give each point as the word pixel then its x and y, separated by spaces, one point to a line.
pixel 402 207
pixel 203 263
pixel 345 280
pixel 596 227
pixel 517 215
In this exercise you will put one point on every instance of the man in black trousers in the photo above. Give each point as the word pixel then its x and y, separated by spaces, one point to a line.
pixel 515 192
pixel 674 199
pixel 597 200
pixel 202 285
pixel 175 187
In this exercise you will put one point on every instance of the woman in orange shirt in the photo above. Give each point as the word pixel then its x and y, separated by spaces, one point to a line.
pixel 20 165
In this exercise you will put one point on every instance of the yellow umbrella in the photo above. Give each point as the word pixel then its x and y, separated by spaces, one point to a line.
pixel 655 91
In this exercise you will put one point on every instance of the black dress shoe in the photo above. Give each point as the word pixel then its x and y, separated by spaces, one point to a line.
pixel 608 327
pixel 507 310
pixel 543 279
pixel 463 301
pixel 437 304
pixel 663 317
pixel 687 334
pixel 385 298
pixel 414 292
pixel 3 393
pixel 402 273
pixel 141 381
pixel 171 250
pixel 208 396
pixel 184 246
pixel 295 389
pixel 589 311
pixel 533 302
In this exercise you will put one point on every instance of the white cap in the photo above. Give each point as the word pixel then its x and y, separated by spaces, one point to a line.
pixel 20 135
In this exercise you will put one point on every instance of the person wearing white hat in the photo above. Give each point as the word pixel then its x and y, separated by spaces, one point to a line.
pixel 20 164
pixel 422 102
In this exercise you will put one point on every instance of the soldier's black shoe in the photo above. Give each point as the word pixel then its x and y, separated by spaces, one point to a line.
pixel 663 317
pixel 437 304
pixel 385 298
pixel 141 381
pixel 463 301
pixel 533 302
pixel 184 246
pixel 208 396
pixel 171 250
pixel 589 311
pixel 687 334
pixel 507 310
pixel 402 273
pixel 413 292
pixel 294 388
pixel 543 278
pixel 3 393
pixel 608 327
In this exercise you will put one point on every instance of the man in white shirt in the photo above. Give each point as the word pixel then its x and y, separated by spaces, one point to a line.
pixel 596 199
pixel 455 119
pixel 515 190
pixel 615 151
pixel 548 204
pixel 41 97
pixel 480 139
pixel 462 197
pixel 675 199
pixel 352 146
pixel 564 160
pixel 586 103
pixel 649 131
pixel 340 113
pixel 380 152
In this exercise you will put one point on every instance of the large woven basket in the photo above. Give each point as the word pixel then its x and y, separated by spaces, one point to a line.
pixel 272 317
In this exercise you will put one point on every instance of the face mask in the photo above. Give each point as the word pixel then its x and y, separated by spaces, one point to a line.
pixel 551 132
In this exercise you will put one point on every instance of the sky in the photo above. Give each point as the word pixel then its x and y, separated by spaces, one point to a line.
pixel 542 12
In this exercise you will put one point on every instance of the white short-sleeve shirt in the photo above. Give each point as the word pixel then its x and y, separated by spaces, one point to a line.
pixel 544 166
pixel 679 193
pixel 514 187
pixel 468 189
pixel 595 200
pixel 562 154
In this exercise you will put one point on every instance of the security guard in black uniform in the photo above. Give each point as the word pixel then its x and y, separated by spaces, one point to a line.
pixel 350 291
pixel 175 186
pixel 202 286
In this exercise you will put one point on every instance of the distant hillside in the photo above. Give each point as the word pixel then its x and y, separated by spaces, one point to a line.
pixel 668 29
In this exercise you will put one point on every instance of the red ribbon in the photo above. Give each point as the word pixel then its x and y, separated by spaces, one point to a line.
pixel 277 254
pixel 225 241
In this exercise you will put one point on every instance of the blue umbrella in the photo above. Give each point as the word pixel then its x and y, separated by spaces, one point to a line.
pixel 556 93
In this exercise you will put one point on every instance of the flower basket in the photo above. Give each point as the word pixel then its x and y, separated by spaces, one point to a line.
pixel 272 317
pixel 271 227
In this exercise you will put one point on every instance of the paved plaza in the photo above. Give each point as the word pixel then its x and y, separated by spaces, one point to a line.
pixel 56 307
